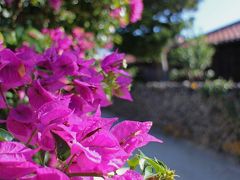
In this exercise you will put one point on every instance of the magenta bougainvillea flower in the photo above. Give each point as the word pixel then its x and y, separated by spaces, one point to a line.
pixel 38 95
pixel 104 154
pixel 14 71
pixel 136 10
pixel 132 134
pixel 91 93
pixel 83 41
pixel 55 4
pixel 94 145
pixel 79 41
pixel 54 112
pixel 61 41
pixel 123 88
pixel 16 163
pixel 21 122
pixel 112 65
pixel 112 62
pixel 44 173
pixel 15 160
pixel 54 102
pixel 65 94
pixel 66 64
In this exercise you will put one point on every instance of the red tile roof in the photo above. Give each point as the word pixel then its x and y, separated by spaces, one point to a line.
pixel 225 34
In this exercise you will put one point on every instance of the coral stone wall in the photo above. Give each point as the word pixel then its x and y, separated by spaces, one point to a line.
pixel 180 111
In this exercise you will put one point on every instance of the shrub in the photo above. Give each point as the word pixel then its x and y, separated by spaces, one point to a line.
pixel 191 59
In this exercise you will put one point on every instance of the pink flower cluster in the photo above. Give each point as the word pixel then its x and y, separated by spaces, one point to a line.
pixel 55 4
pixel 58 113
pixel 136 10
pixel 79 41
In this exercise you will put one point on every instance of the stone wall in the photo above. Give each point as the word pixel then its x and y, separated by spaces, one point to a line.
pixel 180 111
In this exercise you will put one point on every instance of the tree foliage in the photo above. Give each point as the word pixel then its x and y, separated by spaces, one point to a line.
pixel 191 59
pixel 162 21
pixel 93 16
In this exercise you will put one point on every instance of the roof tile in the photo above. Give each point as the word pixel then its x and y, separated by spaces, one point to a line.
pixel 225 34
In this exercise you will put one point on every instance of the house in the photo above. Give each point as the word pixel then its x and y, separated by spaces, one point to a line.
pixel 226 60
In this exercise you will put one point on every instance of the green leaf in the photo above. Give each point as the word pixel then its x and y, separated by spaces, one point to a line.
pixel 155 169
pixel 158 167
pixel 62 148
pixel 133 163
pixel 19 32
pixel 160 163
pixel 5 135
pixel 142 162
pixel 1 37
pixel 46 158
pixel 10 38
pixel 148 172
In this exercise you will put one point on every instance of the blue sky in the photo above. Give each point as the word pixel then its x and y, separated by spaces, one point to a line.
pixel 213 14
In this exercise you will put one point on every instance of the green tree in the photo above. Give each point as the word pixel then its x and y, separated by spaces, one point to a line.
pixel 156 33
